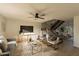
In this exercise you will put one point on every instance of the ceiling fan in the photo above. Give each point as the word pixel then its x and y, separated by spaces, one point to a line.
pixel 37 16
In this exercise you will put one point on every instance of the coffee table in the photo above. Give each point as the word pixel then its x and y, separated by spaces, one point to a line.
pixel 36 47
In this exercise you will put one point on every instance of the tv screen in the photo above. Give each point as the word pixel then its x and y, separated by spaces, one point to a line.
pixel 26 29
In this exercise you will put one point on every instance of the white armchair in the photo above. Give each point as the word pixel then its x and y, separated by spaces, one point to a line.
pixel 53 42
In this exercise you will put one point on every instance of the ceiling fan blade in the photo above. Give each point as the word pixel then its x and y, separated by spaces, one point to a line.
pixel 42 12
pixel 41 18
pixel 42 15
pixel 32 13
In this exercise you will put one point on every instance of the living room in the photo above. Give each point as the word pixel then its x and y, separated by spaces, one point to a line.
pixel 39 29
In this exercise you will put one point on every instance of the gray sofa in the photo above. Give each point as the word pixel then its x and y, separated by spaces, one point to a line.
pixel 5 46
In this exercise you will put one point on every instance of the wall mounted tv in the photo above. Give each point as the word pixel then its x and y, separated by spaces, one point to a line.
pixel 26 29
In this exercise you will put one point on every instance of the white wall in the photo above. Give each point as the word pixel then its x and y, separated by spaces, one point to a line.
pixel 2 25
pixel 76 31
pixel 13 27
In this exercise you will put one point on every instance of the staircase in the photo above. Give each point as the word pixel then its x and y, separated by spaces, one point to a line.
pixel 56 24
pixel 53 34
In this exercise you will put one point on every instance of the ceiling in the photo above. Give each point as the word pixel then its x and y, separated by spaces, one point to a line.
pixel 20 11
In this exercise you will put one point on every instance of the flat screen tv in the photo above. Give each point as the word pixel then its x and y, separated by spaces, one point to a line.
pixel 26 29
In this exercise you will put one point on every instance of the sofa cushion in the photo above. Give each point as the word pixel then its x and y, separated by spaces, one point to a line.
pixel 4 43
